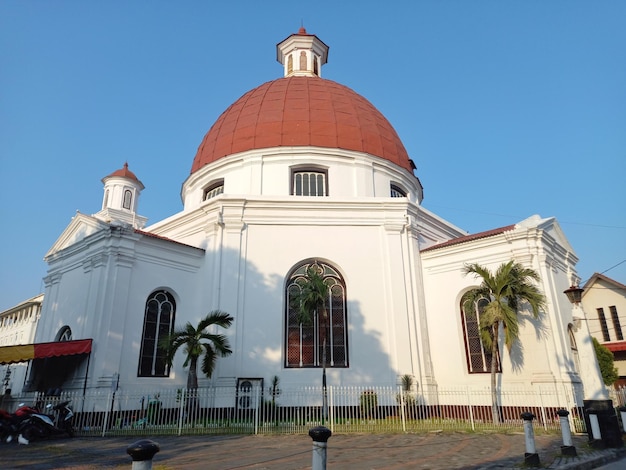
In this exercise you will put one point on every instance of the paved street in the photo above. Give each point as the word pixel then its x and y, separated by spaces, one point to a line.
pixel 434 451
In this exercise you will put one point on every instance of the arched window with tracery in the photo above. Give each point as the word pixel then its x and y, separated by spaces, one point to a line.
pixel 304 344
pixel 478 357
pixel 64 334
pixel 158 323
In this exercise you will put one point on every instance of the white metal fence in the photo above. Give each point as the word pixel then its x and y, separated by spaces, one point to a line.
pixel 618 395
pixel 224 410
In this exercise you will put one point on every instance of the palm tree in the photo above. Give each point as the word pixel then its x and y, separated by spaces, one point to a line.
pixel 196 342
pixel 312 296
pixel 311 299
pixel 507 290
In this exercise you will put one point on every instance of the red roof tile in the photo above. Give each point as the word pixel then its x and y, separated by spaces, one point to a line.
pixel 471 237
pixel 124 173
pixel 302 111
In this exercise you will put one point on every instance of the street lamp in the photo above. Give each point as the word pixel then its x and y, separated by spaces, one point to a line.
pixel 574 294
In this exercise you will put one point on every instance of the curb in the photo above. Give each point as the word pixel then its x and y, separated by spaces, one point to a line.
pixel 588 461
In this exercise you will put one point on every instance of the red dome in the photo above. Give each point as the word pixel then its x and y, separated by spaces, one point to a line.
pixel 302 111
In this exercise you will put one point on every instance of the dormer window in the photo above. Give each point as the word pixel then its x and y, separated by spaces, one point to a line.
pixel 309 182
pixel 397 191
pixel 214 189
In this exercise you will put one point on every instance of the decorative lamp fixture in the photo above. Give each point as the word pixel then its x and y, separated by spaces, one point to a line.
pixel 574 294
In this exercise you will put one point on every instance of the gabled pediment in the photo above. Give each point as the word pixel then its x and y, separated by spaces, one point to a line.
pixel 550 226
pixel 79 228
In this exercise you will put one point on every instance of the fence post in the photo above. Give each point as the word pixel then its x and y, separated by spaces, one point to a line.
pixel 320 435
pixel 531 457
pixel 331 408
pixel 471 412
pixel 109 409
pixel 402 407
pixel 257 400
pixel 142 453
pixel 181 410
pixel 543 410
pixel 567 448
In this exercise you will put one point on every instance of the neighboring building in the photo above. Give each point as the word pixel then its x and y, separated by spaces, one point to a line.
pixel 604 303
pixel 17 326
pixel 300 171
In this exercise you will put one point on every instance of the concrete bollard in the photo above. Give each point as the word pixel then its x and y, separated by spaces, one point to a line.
pixel 531 457
pixel 568 447
pixel 597 442
pixel 142 453
pixel 320 435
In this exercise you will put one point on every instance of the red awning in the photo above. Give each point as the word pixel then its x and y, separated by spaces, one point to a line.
pixel 616 346
pixel 26 352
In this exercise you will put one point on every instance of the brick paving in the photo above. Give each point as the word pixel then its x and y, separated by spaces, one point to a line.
pixel 432 451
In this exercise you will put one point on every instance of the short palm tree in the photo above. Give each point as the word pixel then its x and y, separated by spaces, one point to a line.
pixel 511 287
pixel 198 341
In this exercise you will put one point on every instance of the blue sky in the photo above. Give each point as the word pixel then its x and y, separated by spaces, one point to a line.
pixel 508 108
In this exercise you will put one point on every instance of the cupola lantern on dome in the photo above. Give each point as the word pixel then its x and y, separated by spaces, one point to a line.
pixel 302 54
pixel 121 198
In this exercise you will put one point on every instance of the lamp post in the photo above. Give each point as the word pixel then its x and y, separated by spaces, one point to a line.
pixel 574 294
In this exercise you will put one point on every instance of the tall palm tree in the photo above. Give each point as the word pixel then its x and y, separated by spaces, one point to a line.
pixel 310 300
pixel 312 297
pixel 198 341
pixel 507 291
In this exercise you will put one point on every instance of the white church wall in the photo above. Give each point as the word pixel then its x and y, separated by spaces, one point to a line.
pixel 104 297
pixel 543 355
pixel 274 253
pixel 267 172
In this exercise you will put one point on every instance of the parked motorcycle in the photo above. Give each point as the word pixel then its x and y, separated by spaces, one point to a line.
pixel 39 425
pixel 10 422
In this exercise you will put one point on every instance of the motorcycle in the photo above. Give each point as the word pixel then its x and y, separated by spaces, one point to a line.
pixel 39 425
pixel 10 422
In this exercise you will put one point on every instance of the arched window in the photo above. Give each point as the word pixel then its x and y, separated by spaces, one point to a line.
pixel 157 324
pixel 64 334
pixel 290 64
pixel 128 199
pixel 214 189
pixel 397 191
pixel 105 203
pixel 309 182
pixel 315 66
pixel 478 357
pixel 302 60
pixel 574 348
pixel 304 343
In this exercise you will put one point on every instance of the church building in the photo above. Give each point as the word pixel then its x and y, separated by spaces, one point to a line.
pixel 300 172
